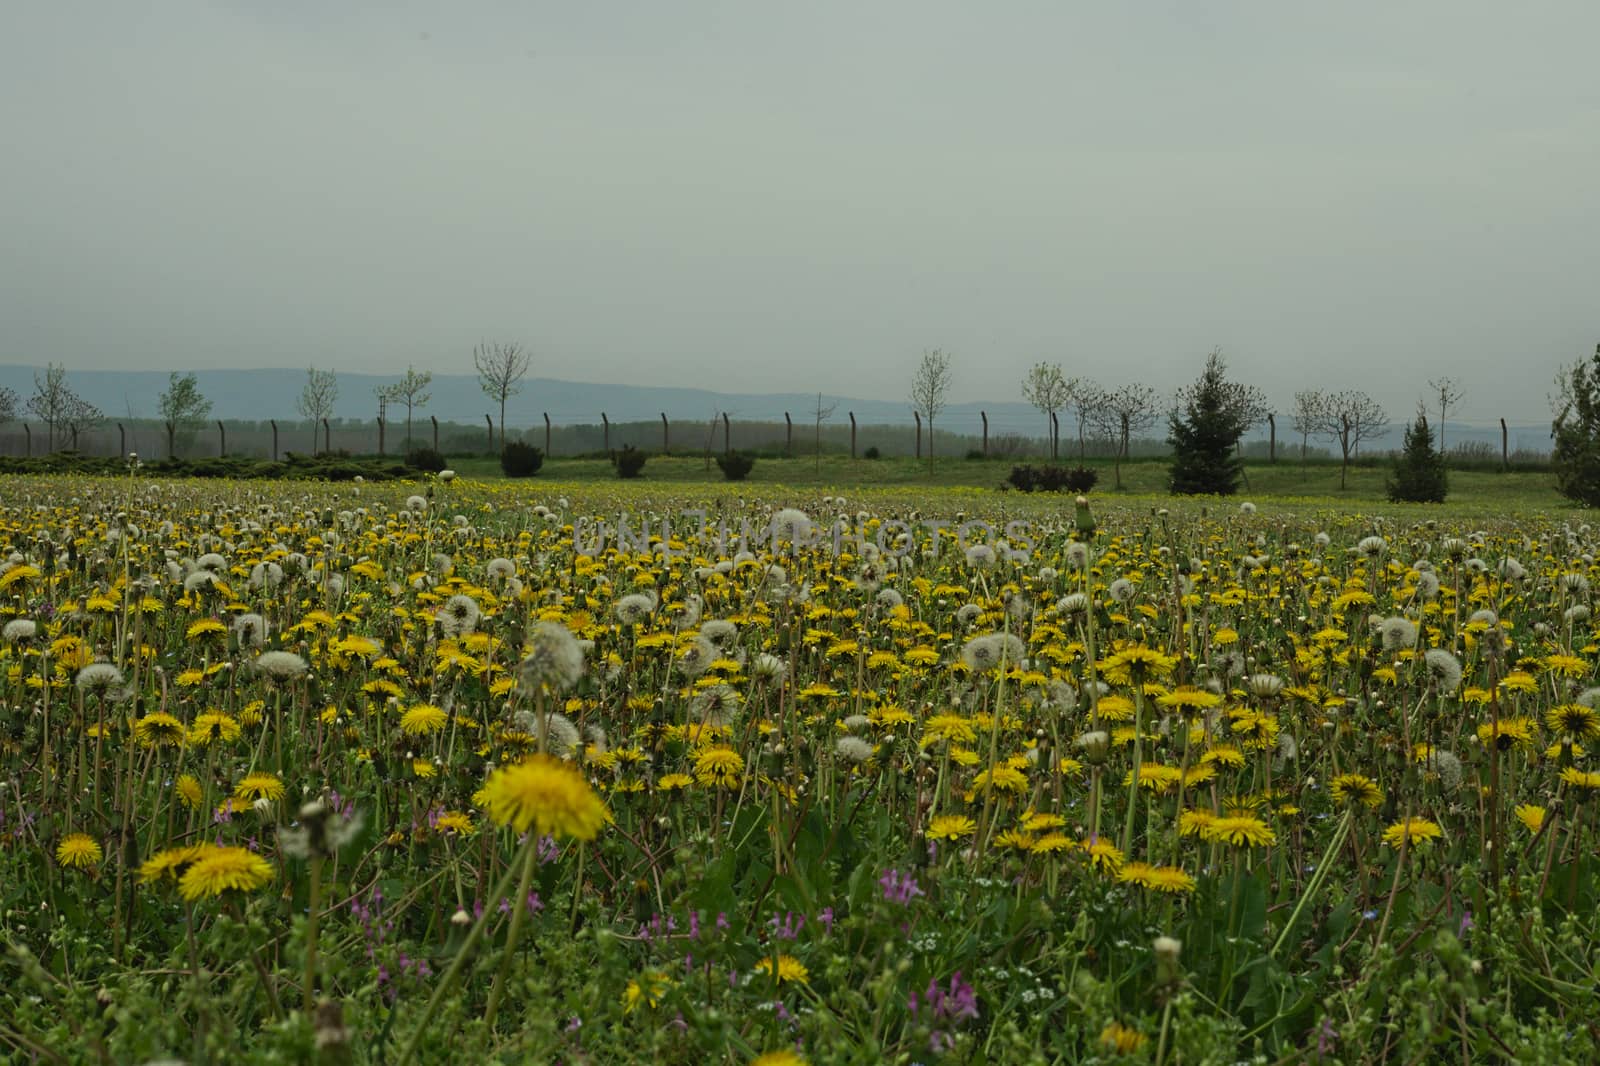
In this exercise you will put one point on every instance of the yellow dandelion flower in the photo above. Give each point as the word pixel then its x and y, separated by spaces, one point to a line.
pixel 423 720
pixel 950 827
pixel 1121 1040
pixel 188 791
pixel 1574 720
pixel 1588 781
pixel 1103 855
pixel 1355 788
pixel 1414 830
pixel 718 766
pixel 224 869
pixel 1239 830
pixel 647 990
pixel 547 795
pixel 78 851
pixel 1530 816
pixel 259 786
pixel 790 969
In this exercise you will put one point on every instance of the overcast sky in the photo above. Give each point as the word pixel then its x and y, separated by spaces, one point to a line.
pixel 789 196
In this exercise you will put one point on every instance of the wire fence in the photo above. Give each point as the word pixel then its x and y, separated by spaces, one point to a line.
pixel 1001 436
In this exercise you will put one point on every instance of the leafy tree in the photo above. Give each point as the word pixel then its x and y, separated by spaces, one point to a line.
pixel 316 399
pixel 412 392
pixel 1576 455
pixel 1419 474
pixel 500 371
pixel 1048 389
pixel 183 408
pixel 1205 427
pixel 8 405
pixel 930 389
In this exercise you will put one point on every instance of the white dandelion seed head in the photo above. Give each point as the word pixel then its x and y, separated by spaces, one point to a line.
pixel 852 749
pixel 694 659
pixel 554 659
pixel 1443 669
pixel 19 629
pixel 99 678
pixel 251 630
pixel 634 608
pixel 280 667
pixel 1397 632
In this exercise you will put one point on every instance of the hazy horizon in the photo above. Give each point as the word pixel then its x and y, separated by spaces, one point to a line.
pixel 757 199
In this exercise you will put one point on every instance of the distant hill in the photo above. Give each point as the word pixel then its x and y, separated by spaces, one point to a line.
pixel 260 394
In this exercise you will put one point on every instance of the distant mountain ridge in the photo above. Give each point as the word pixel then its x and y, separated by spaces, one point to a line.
pixel 259 394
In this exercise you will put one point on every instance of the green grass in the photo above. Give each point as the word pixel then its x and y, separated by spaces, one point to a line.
pixel 1521 489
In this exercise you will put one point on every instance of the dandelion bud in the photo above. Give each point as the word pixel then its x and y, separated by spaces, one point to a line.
pixel 1167 950
pixel 1096 746
pixel 461 917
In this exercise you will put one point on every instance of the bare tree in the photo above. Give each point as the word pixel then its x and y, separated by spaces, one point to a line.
pixel 316 399
pixel 1120 413
pixel 51 400
pixel 1085 401
pixel 1309 405
pixel 500 371
pixel 1048 389
pixel 1449 393
pixel 412 391
pixel 1348 418
pixel 8 405
pixel 823 412
pixel 930 388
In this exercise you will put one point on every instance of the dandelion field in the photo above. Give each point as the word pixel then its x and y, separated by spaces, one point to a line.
pixel 386 774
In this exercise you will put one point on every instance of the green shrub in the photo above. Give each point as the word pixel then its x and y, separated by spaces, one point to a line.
pixel 425 459
pixel 520 459
pixel 735 466
pixel 629 461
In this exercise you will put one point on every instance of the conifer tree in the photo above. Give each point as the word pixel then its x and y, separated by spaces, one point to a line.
pixel 1204 432
pixel 1419 473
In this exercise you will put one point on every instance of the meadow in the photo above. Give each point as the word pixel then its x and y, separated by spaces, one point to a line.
pixel 512 772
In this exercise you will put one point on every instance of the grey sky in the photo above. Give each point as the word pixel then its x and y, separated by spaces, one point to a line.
pixel 764 197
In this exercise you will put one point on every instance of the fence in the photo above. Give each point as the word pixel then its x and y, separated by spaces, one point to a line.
pixel 948 437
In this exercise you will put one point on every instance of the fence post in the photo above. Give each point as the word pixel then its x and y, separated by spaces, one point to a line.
pixel 27 432
pixel 381 425
pixel 74 438
pixel 727 435
pixel 788 440
pixel 1272 439
pixel 1505 455
pixel 122 441
pixel 327 436
pixel 435 419
pixel 919 433
pixel 172 440
pixel 1055 437
pixel 222 439
pixel 852 434
pixel 666 440
pixel 489 421
pixel 605 429
pixel 547 434
pixel 985 416
pixel 274 422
